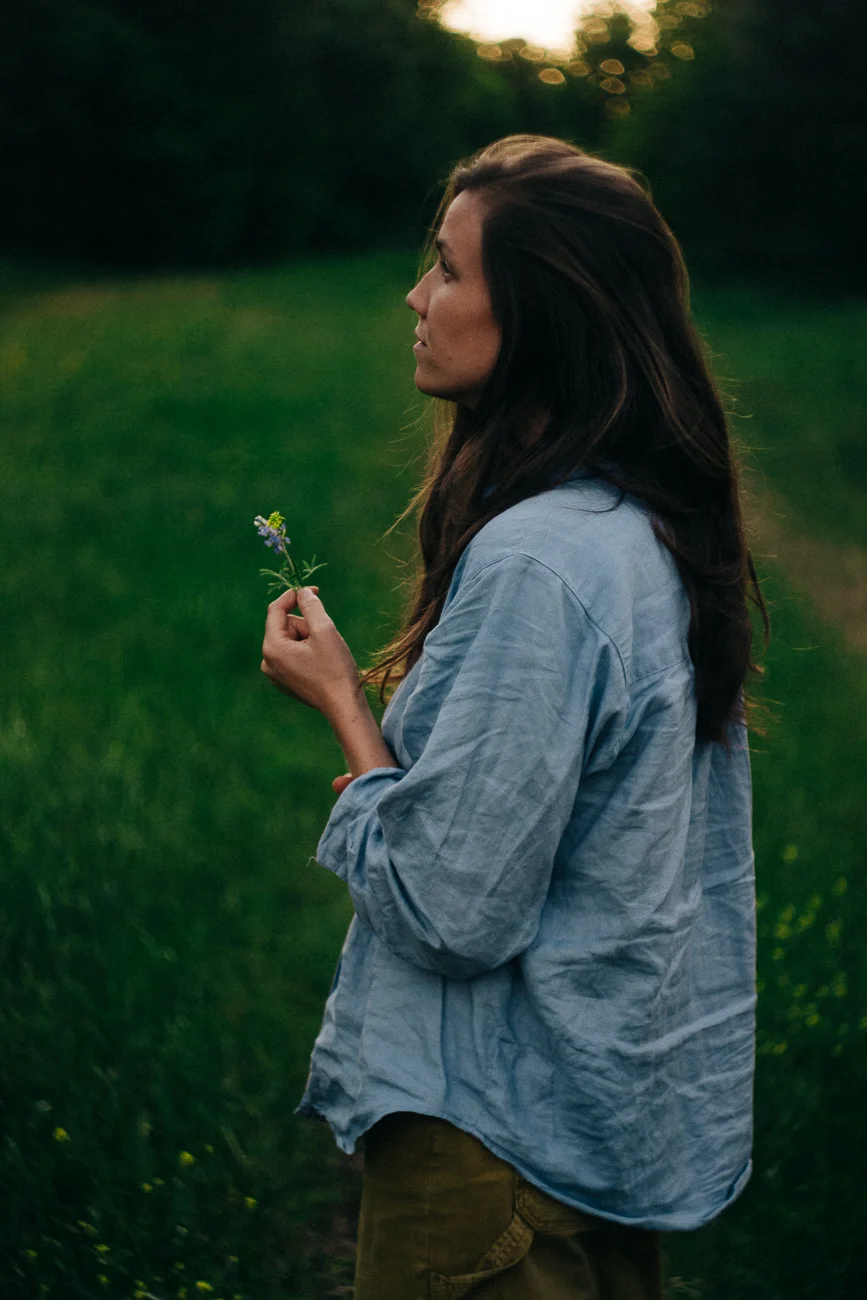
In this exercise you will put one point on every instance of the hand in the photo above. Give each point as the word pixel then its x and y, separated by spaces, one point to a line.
pixel 304 655
pixel 339 784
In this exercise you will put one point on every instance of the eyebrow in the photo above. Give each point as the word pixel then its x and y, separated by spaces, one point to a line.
pixel 441 244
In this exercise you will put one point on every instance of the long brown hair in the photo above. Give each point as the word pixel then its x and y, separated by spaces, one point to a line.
pixel 590 291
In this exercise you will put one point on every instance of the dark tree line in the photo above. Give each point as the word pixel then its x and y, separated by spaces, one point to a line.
pixel 755 147
pixel 154 133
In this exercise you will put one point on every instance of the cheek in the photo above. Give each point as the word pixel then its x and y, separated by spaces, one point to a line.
pixel 484 346
pixel 465 330
pixel 461 333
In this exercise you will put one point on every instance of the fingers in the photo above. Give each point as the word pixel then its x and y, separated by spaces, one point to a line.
pixel 276 622
pixel 296 628
pixel 313 609
pixel 291 669
pixel 340 783
pixel 275 619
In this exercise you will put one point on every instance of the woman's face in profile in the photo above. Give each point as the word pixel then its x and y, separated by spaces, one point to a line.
pixel 458 336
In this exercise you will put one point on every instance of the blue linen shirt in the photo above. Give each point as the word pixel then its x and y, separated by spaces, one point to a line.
pixel 553 944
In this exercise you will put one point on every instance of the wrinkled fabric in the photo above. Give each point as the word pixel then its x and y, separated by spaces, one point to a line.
pixel 553 945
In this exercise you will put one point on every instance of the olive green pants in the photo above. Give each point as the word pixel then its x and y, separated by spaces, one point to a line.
pixel 442 1217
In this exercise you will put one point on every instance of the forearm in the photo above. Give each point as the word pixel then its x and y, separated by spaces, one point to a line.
pixel 358 733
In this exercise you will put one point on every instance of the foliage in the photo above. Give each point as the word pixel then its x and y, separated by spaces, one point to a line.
pixel 619 51
pixel 751 147
pixel 137 132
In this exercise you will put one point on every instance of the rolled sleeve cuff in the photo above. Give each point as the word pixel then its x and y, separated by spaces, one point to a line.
pixel 358 800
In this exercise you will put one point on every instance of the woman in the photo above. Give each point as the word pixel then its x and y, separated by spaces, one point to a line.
pixel 543 1017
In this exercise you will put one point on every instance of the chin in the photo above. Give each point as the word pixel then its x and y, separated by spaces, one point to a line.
pixel 431 388
pixel 427 386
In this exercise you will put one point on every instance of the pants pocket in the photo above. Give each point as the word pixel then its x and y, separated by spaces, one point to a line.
pixel 546 1214
pixel 509 1249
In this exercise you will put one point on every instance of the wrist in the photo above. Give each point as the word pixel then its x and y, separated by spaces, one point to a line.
pixel 357 731
pixel 344 702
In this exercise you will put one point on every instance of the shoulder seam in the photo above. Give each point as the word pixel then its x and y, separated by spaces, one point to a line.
pixel 535 559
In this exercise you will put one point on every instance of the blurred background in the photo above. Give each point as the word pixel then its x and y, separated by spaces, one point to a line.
pixel 212 215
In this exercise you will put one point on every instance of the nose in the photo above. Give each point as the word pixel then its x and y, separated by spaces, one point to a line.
pixel 414 299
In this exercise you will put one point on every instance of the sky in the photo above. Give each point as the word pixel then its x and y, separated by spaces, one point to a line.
pixel 549 23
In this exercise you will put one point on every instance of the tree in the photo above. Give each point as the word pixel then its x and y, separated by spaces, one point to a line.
pixel 752 147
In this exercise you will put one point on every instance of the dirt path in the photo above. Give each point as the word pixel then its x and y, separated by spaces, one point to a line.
pixel 833 577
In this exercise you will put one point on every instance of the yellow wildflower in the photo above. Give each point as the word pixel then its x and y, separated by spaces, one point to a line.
pixel 250 1202
pixel 61 1135
pixel 147 1187
pixel 102 1249
pixel 807 919
pixel 186 1160
pixel 102 1279
pixel 209 1148
pixel 204 1286
pixel 32 1254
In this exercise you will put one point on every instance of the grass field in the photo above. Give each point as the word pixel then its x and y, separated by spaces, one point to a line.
pixel 165 941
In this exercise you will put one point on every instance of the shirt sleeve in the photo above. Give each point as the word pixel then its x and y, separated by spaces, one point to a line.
pixel 519 693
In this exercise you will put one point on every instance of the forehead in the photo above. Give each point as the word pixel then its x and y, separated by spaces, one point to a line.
pixel 461 228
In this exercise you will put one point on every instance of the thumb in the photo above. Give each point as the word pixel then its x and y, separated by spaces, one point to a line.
pixel 312 608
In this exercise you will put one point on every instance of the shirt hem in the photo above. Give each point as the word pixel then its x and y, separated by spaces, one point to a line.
pixel 664 1222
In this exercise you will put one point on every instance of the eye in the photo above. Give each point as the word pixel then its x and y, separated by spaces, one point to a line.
pixel 446 269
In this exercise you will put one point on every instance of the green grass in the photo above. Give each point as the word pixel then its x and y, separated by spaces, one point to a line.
pixel 795 371
pixel 791 1233
pixel 166 942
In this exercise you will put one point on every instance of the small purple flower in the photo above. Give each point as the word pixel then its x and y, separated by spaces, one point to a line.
pixel 273 532
pixel 273 529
